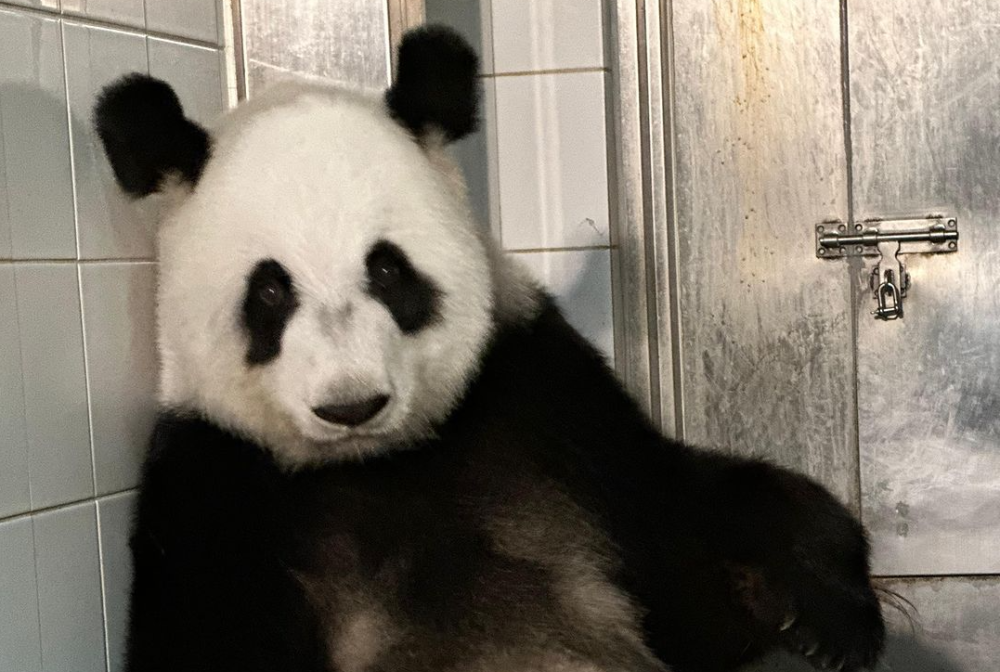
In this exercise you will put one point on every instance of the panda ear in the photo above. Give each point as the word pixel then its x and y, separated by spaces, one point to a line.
pixel 436 85
pixel 146 135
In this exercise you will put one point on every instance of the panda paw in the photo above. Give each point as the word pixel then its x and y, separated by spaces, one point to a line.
pixel 836 628
pixel 846 646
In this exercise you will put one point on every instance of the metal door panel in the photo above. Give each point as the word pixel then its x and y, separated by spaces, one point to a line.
pixel 344 41
pixel 925 93
pixel 766 343
pixel 956 627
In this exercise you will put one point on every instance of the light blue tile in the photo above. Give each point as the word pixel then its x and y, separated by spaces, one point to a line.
pixel 547 34
pixel 580 281
pixel 195 73
pixel 35 138
pixel 110 226
pixel 115 515
pixel 120 328
pixel 55 389
pixel 20 644
pixel 15 496
pixel 122 12
pixel 197 19
pixel 477 157
pixel 552 160
pixel 69 590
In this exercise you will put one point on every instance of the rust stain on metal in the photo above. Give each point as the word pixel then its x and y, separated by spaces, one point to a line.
pixel 752 41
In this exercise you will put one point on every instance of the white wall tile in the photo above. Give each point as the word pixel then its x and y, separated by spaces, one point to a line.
pixel 15 496
pixel 195 73
pixel 69 590
pixel 580 280
pixel 6 240
pixel 197 19
pixel 55 389
pixel 110 226
pixel 122 12
pixel 115 516
pixel 531 35
pixel 119 324
pixel 35 138
pixel 39 4
pixel 20 644
pixel 552 160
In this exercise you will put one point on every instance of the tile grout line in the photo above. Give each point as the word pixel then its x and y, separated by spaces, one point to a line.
pixel 82 262
pixel 65 505
pixel 493 187
pixel 38 594
pixel 69 139
pixel 545 71
pixel 108 25
pixel 104 585
pixel 580 248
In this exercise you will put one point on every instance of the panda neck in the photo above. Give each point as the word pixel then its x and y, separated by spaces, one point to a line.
pixel 517 296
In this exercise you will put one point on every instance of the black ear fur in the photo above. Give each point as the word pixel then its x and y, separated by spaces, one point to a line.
pixel 146 135
pixel 436 85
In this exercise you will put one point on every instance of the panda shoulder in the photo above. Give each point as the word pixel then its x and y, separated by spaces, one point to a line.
pixel 195 470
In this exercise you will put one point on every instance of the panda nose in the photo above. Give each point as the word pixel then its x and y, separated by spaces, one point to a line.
pixel 354 413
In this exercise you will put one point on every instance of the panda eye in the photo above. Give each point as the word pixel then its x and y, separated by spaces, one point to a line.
pixel 410 296
pixel 272 294
pixel 385 271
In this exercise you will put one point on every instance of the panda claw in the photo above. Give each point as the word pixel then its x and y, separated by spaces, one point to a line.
pixel 789 622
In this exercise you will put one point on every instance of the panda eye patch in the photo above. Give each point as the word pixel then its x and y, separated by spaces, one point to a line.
pixel 410 297
pixel 267 306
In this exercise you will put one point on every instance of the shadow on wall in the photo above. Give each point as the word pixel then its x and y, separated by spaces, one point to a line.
pixel 110 225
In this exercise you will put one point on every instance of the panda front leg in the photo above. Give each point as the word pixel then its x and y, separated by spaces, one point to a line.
pixel 798 561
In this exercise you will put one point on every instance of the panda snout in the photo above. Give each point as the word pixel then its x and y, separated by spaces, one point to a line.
pixel 353 413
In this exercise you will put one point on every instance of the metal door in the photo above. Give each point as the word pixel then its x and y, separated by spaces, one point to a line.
pixel 764 118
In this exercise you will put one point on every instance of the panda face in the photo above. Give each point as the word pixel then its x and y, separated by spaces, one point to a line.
pixel 323 289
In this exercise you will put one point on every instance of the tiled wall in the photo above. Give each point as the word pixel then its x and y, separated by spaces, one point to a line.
pixel 77 360
pixel 538 167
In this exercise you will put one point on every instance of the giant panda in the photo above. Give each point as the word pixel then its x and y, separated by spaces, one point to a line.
pixel 383 449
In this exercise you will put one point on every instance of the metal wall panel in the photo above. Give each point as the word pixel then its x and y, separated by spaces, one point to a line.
pixel 952 626
pixel 765 328
pixel 926 121
pixel 956 626
pixel 344 41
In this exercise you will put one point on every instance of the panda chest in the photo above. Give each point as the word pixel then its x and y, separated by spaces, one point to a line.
pixel 395 576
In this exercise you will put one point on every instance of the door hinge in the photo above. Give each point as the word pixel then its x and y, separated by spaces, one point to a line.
pixel 880 238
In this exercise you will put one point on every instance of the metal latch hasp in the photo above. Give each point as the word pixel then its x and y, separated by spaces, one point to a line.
pixel 882 238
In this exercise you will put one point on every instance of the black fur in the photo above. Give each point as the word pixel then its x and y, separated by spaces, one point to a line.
pixel 268 304
pixel 146 135
pixel 436 84
pixel 411 297
pixel 721 551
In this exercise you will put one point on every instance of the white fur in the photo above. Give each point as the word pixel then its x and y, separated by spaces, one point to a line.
pixel 313 177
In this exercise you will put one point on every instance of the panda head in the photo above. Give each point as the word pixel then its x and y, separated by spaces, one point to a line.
pixel 323 289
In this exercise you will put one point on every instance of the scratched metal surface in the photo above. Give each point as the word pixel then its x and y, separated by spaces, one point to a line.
pixel 925 93
pixel 765 327
pixel 954 628
pixel 344 41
